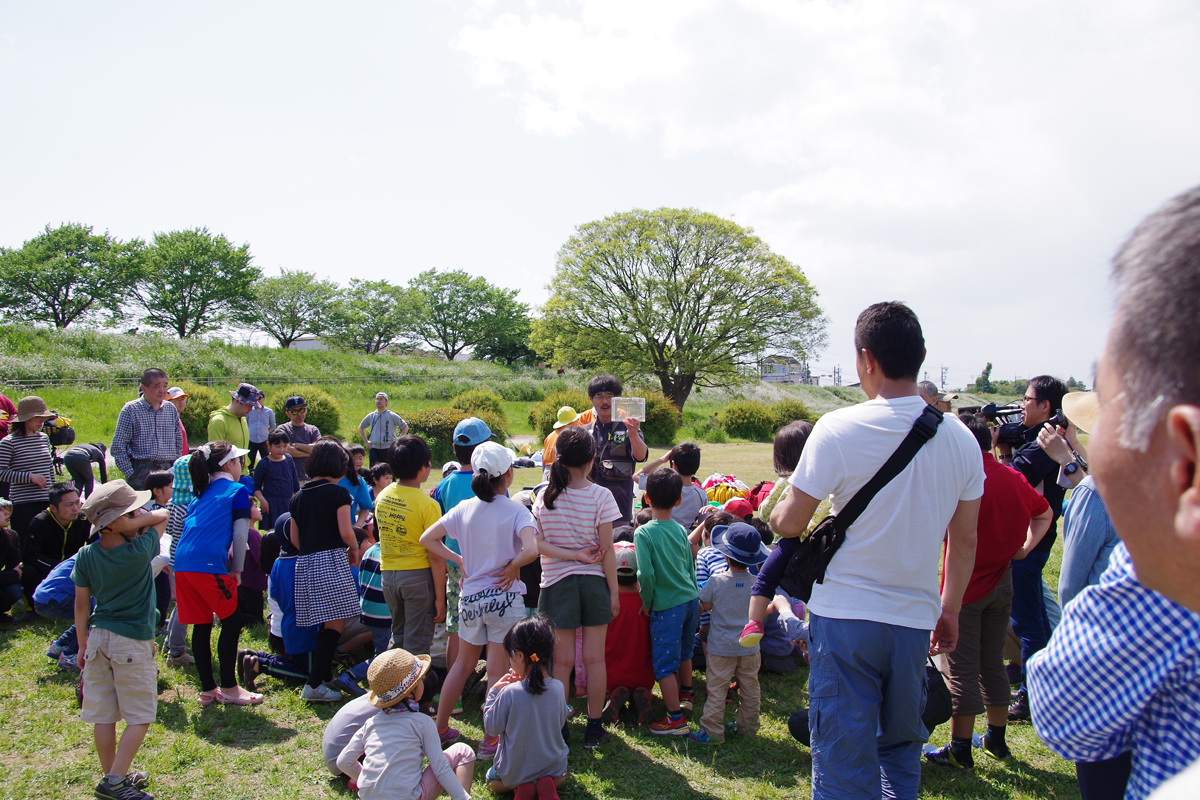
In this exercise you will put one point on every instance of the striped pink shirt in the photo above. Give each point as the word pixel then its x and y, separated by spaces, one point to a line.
pixel 572 524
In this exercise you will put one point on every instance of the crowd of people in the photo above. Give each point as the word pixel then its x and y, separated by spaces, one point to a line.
pixel 896 532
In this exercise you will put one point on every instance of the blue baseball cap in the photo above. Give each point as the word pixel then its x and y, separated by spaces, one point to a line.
pixel 741 542
pixel 470 431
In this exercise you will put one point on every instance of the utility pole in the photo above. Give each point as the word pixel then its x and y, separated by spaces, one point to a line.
pixel 837 375
pixel 944 370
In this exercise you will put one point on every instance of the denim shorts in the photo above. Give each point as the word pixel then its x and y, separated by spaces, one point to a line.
pixel 672 636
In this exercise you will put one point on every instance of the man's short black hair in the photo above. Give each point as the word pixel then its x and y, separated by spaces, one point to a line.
pixel 407 456
pixel 892 332
pixel 686 458
pixel 153 374
pixel 977 424
pixel 1048 387
pixel 60 490
pixel 664 488
pixel 604 383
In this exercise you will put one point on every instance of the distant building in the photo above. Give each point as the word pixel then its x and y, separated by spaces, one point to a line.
pixel 786 370
pixel 308 343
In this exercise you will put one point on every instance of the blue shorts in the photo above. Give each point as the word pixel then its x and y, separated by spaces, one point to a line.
pixel 672 634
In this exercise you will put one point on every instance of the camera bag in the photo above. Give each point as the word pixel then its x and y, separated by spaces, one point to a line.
pixel 808 564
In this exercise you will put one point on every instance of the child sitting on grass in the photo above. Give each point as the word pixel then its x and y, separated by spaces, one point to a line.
pixel 525 711
pixel 120 680
pixel 727 596
pixel 627 658
pixel 668 589
pixel 394 742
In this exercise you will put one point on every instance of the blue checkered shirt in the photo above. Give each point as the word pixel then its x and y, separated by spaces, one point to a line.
pixel 145 434
pixel 1121 672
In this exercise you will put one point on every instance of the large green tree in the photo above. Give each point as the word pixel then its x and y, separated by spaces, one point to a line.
pixel 68 274
pixel 194 282
pixel 457 311
pixel 368 316
pixel 508 345
pixel 289 305
pixel 681 295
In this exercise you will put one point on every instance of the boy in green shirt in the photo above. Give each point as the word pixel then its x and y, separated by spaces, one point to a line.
pixel 120 680
pixel 668 587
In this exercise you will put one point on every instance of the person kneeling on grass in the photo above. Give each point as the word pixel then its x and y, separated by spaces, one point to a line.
pixel 120 680
pixel 394 742
pixel 525 710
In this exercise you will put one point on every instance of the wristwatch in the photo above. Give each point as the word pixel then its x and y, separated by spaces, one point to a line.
pixel 1071 469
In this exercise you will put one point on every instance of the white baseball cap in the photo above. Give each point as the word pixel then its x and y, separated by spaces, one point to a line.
pixel 493 458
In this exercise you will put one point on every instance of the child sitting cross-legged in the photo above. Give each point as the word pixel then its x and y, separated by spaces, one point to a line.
pixel 394 743
pixel 727 596
pixel 525 710
pixel 668 589
pixel 628 665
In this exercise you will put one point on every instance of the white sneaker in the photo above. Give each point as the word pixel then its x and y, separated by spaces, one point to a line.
pixel 320 694
pixel 180 661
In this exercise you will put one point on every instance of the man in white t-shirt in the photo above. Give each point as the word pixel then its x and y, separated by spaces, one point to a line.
pixel 872 617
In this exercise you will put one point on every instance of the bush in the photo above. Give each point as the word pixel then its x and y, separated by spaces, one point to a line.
pixel 788 411
pixel 543 415
pixel 706 430
pixel 520 390
pixel 436 427
pixel 478 401
pixel 202 401
pixel 444 390
pixel 662 419
pixel 747 419
pixel 324 410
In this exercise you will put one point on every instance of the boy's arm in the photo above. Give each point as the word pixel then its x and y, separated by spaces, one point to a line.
pixel 83 612
pixel 653 465
pixel 645 573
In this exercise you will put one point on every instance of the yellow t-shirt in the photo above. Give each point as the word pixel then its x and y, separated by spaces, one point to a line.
pixel 402 514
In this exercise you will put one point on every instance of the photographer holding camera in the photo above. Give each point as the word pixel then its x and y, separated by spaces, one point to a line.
pixel 1017 445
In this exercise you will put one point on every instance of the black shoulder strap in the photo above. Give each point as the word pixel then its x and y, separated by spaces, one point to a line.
pixel 922 431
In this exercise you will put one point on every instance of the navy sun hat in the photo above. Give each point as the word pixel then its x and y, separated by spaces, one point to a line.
pixel 741 542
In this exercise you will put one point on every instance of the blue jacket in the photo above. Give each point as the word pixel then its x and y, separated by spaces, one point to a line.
pixel 57 586
pixel 296 640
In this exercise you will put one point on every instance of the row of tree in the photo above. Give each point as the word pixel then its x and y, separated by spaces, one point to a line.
pixel 193 282
pixel 682 296
pixel 985 385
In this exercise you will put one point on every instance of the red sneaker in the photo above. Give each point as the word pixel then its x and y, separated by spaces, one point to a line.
pixel 751 634
pixel 670 727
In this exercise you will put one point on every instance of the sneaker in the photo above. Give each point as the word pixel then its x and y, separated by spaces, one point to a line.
pixel 751 634
pixel 180 661
pixel 593 737
pixel 346 685
pixel 457 711
pixel 122 790
pixel 1019 709
pixel 981 741
pixel 138 779
pixel 643 707
pixel 546 790
pixel 945 756
pixel 730 729
pixel 448 736
pixel 612 709
pixel 1014 674
pixel 488 748
pixel 687 699
pixel 319 694
pixel 54 651
pixel 670 727
pixel 701 736
pixel 69 661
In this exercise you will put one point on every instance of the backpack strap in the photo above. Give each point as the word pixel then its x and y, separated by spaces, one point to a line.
pixel 923 429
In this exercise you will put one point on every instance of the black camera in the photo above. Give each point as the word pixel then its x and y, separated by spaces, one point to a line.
pixel 1011 434
pixel 1004 414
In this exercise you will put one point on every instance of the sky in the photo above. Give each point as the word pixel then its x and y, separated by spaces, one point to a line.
pixel 981 162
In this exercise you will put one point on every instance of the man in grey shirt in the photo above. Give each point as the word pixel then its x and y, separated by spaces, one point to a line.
pixel 380 428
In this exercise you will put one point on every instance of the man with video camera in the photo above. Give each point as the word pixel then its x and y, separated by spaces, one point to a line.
pixel 1018 447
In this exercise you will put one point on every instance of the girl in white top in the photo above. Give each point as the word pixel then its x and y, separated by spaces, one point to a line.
pixel 497 537
pixel 577 515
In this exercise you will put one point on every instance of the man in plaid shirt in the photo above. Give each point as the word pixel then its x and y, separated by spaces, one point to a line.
pixel 1122 671
pixel 148 436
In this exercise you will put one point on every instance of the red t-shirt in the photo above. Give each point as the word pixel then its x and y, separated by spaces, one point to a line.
pixel 627 647
pixel 1007 505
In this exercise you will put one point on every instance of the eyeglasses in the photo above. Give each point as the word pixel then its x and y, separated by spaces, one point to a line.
pixel 1028 399
pixel 603 396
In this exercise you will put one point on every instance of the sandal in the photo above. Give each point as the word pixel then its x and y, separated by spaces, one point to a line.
pixel 206 699
pixel 248 699
pixel 248 671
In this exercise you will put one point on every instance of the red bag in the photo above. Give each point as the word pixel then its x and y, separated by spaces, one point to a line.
pixel 759 493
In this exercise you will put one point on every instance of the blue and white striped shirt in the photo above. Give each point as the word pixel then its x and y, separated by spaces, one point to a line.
pixel 1121 672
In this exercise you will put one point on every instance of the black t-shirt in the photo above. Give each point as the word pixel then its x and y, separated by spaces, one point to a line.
pixel 314 508
pixel 1031 461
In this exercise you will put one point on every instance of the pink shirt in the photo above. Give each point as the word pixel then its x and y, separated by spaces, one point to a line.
pixel 572 524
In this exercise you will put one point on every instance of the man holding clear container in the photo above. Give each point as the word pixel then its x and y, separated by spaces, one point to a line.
pixel 620 445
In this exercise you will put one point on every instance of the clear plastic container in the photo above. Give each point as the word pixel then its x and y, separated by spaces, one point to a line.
pixel 625 407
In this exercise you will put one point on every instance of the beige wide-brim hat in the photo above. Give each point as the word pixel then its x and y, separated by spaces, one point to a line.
pixel 110 502
pixel 30 407
pixel 393 676
pixel 1082 408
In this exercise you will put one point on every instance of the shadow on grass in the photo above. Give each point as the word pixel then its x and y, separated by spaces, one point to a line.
pixel 996 779
pixel 624 772
pixel 239 727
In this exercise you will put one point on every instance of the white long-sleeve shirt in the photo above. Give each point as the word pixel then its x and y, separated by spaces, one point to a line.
pixel 393 746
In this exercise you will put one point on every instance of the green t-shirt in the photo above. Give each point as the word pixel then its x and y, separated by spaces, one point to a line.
pixel 121 584
pixel 666 574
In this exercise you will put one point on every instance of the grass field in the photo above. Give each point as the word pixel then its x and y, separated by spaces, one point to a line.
pixel 273 751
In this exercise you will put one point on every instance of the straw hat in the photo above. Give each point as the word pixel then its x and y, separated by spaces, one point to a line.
pixel 1082 408
pixel 566 415
pixel 111 501
pixel 30 407
pixel 393 676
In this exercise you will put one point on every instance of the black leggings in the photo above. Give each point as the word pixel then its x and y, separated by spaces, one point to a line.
pixel 322 658
pixel 227 647
pixel 1104 780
